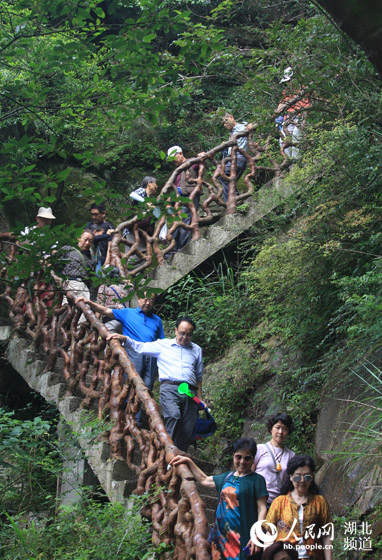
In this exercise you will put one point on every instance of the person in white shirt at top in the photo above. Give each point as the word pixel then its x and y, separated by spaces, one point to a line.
pixel 272 458
pixel 179 361
pixel 44 218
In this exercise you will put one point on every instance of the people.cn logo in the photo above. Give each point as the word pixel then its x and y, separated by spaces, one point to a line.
pixel 261 538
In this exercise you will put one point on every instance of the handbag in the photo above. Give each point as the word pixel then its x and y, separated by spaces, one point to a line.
pixel 204 427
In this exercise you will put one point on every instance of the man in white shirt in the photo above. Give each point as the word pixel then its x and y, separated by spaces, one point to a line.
pixel 179 361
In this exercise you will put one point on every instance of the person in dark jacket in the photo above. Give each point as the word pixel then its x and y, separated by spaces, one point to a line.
pixel 77 266
pixel 102 231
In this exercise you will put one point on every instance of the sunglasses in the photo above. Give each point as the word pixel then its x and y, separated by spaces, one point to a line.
pixel 239 457
pixel 305 477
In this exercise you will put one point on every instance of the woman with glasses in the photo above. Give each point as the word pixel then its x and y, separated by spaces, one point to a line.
pixel 272 457
pixel 301 515
pixel 242 501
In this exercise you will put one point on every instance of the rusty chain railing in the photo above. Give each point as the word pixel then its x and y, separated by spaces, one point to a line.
pixel 263 159
pixel 102 376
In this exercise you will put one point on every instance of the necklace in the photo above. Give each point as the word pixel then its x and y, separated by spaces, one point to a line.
pixel 299 500
pixel 235 477
pixel 277 457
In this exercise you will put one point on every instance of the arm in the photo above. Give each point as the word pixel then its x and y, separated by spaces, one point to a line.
pixel 146 348
pixel 161 331
pixel 97 307
pixel 327 542
pixel 261 514
pixel 261 508
pixel 199 475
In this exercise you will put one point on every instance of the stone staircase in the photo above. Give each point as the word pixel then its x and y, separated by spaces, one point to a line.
pixel 115 477
pixel 215 237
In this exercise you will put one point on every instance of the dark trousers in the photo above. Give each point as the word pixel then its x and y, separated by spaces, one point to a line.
pixel 183 236
pixel 180 414
pixel 241 164
pixel 146 366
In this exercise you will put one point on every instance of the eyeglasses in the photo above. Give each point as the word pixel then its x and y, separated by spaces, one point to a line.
pixel 299 478
pixel 246 458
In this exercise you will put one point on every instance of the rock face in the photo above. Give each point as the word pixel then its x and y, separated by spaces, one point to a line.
pixel 344 413
pixel 254 371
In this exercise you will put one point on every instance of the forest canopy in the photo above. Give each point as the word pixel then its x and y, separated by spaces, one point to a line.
pixel 105 87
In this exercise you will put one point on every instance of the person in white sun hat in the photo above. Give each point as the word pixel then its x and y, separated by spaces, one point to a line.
pixel 44 218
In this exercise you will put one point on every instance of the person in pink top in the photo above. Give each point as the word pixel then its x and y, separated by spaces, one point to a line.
pixel 272 458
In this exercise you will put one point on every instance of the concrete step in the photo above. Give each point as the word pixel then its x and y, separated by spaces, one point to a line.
pixel 224 231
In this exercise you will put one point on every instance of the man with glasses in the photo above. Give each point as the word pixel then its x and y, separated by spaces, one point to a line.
pixel 179 361
pixel 141 324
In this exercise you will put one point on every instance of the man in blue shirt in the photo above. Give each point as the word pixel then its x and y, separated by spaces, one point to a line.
pixel 141 324
pixel 179 361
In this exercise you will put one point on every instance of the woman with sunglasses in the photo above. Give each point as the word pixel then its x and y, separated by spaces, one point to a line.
pixel 301 515
pixel 242 501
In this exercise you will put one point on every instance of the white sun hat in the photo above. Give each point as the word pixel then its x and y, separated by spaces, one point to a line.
pixel 288 74
pixel 45 213
pixel 171 152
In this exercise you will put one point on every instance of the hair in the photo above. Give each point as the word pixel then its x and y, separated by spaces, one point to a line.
pixel 109 271
pixel 147 180
pixel 100 207
pixel 187 319
pixel 270 552
pixel 245 443
pixel 280 417
pixel 87 231
pixel 295 463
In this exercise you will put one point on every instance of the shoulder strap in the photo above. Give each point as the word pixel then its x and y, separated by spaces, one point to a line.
pixel 118 296
pixel 278 477
pixel 82 258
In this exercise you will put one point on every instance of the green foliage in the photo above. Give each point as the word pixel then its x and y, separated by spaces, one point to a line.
pixel 362 448
pixel 73 72
pixel 31 459
pixel 29 463
pixel 219 302
pixel 86 531
pixel 226 389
